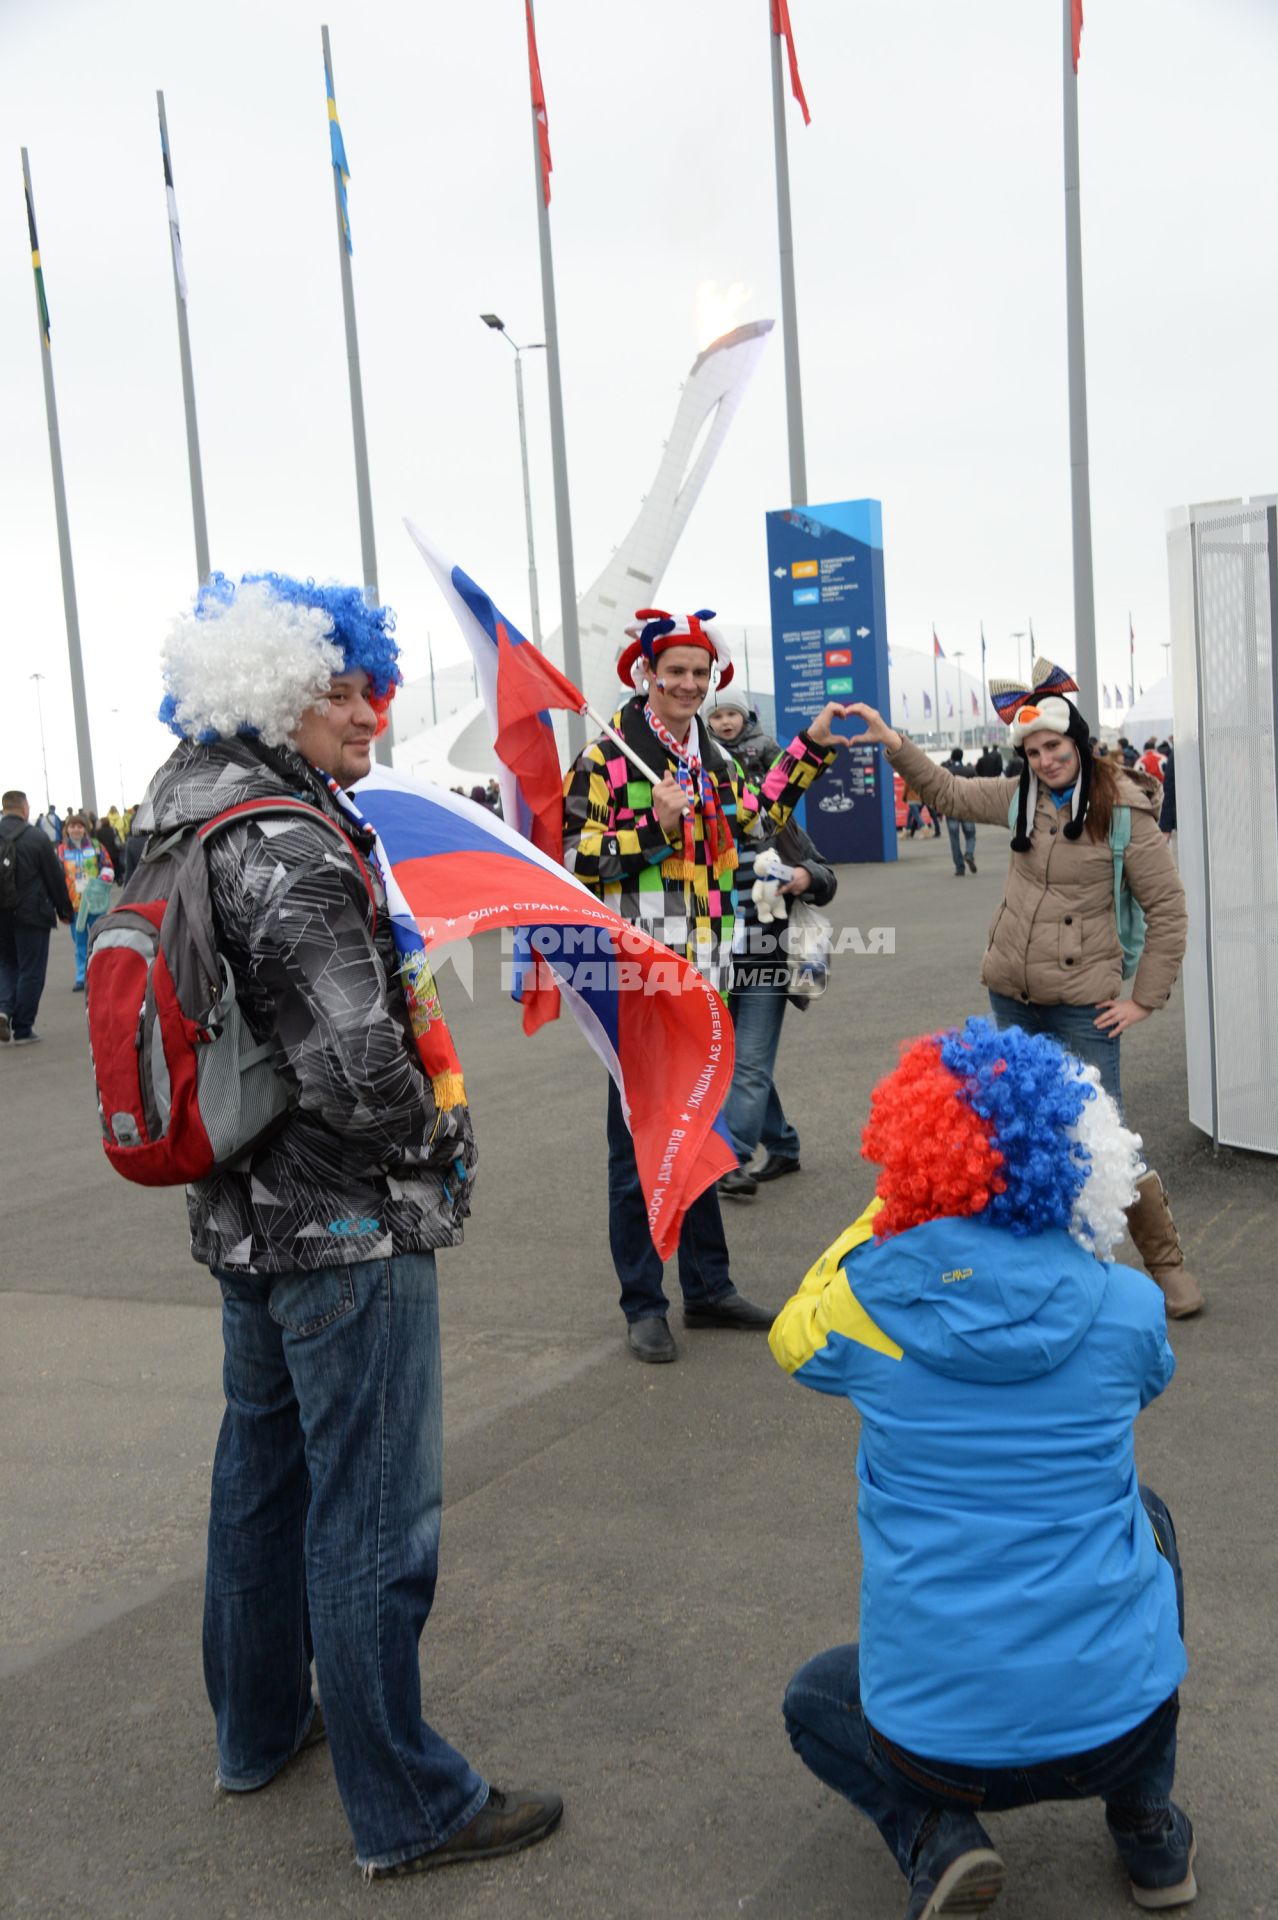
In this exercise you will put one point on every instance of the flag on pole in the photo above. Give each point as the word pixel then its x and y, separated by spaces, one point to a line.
pixel 539 104
pixel 905 704
pixel 175 231
pixel 949 704
pixel 781 26
pixel 337 147
pixel 36 268
pixel 976 706
pixel 1076 21
pixel 937 649
pixel 927 707
pixel 662 1031
pixel 519 686
pixel 1131 694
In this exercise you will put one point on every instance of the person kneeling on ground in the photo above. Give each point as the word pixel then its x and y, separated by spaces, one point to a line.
pixel 1022 1613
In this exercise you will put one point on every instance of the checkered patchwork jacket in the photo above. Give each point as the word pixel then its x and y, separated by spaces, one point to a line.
pixel 616 847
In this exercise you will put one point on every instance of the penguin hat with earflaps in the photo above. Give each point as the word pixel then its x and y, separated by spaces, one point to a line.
pixel 1044 708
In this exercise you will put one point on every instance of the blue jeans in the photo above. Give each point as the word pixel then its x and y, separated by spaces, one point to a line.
pixel 752 1112
pixel 969 840
pixel 323 1541
pixel 703 1251
pixel 926 1809
pixel 1074 1027
pixel 24 960
pixel 80 940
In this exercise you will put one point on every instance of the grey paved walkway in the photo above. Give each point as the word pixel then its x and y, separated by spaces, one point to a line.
pixel 634 1559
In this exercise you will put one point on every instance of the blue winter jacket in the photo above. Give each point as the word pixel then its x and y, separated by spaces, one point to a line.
pixel 1015 1604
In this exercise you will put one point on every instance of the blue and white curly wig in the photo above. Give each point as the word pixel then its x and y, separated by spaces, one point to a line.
pixel 250 658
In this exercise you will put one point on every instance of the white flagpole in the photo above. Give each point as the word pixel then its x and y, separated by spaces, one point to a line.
pixel 184 352
pixel 79 698
pixel 1080 486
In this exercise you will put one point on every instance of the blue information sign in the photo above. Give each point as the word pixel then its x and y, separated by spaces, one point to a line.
pixel 829 642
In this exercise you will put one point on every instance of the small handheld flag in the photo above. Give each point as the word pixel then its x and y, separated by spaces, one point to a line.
pixel 538 103
pixel 337 147
pixel 782 28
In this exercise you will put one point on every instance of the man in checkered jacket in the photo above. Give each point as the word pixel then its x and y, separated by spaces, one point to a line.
pixel 664 856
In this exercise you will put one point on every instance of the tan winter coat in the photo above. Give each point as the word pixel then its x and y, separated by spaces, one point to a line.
pixel 1054 940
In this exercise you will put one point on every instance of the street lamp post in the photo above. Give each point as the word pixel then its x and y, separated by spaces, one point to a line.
pixel 44 758
pixel 1018 637
pixel 532 346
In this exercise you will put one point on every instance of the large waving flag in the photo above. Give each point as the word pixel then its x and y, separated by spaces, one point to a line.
pixel 781 26
pixel 659 1028
pixel 337 150
pixel 538 104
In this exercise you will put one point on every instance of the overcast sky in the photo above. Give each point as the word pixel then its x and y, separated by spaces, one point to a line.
pixel 929 239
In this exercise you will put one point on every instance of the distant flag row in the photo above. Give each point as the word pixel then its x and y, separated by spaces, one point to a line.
pixel 1114 701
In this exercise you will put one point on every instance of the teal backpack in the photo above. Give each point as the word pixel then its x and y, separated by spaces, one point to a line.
pixel 1128 912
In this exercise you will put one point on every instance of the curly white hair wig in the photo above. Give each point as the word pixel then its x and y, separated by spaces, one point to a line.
pixel 1113 1156
pixel 252 662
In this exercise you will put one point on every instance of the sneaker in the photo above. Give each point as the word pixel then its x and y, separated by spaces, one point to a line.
pixel 504 1824
pixel 971 862
pixel 26 1040
pixel 969 1885
pixel 738 1185
pixel 78 987
pixel 6 1029
pixel 1181 1892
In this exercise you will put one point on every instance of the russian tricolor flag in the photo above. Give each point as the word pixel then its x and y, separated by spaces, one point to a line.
pixel 662 1032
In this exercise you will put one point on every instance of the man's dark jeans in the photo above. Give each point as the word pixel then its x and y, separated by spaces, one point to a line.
pixel 24 960
pixel 926 1808
pixel 703 1251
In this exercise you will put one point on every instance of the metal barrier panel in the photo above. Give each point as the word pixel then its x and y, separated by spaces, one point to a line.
pixel 1224 564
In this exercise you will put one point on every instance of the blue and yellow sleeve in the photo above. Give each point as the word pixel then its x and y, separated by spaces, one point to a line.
pixel 823 1329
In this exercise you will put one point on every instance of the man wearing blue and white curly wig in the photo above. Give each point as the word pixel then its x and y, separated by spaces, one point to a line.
pixel 327 1483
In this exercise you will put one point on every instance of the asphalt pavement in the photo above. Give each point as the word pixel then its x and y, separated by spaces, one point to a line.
pixel 634 1559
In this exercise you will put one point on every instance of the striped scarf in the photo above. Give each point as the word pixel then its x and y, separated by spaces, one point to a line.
pixel 696 784
pixel 431 1037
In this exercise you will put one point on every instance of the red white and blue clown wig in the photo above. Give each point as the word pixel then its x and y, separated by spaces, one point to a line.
pixel 251 658
pixel 637 663
pixel 1038 709
pixel 1004 1125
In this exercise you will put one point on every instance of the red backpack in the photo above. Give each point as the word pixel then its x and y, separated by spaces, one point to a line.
pixel 183 1086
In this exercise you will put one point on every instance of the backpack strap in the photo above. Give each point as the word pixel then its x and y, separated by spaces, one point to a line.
pixel 248 808
pixel 1119 837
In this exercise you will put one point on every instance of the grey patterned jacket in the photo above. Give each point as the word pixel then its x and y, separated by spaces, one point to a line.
pixel 364 1166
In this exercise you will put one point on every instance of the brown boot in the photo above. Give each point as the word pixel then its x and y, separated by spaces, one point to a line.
pixel 1156 1240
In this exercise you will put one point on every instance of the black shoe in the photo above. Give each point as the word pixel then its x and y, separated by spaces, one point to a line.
pixel 729 1310
pixel 26 1040
pixel 971 862
pixel 651 1339
pixel 960 873
pixel 78 987
pixel 775 1167
pixel 505 1823
pixel 738 1185
pixel 6 1029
